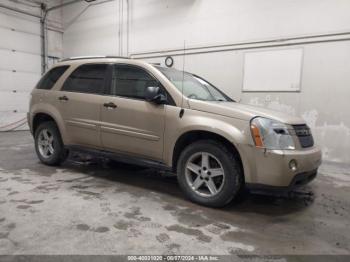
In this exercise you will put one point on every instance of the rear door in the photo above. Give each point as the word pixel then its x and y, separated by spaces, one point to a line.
pixel 129 123
pixel 79 103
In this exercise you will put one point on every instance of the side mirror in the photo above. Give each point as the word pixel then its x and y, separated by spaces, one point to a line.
pixel 153 94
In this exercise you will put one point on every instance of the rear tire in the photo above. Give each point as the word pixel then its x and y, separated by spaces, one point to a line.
pixel 209 174
pixel 48 144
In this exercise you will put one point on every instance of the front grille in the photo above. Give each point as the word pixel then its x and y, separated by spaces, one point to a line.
pixel 304 134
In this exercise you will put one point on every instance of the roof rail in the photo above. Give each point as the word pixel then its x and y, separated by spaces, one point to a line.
pixel 92 57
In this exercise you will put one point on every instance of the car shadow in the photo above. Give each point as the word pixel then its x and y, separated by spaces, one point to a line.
pixel 148 179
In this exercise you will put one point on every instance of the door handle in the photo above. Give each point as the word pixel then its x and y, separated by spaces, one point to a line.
pixel 110 105
pixel 63 98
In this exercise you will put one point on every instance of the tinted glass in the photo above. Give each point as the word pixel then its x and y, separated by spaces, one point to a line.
pixel 51 77
pixel 87 79
pixel 129 81
pixel 193 86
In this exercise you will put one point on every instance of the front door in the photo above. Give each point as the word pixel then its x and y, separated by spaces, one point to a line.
pixel 129 124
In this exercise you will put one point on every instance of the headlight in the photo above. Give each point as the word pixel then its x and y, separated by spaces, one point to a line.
pixel 271 134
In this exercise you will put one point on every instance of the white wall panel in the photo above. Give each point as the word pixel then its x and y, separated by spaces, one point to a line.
pixel 20 66
pixel 18 81
pixel 273 70
pixel 19 61
pixel 13 40
pixel 55 40
pixel 81 27
pixel 166 24
pixel 11 101
pixel 19 22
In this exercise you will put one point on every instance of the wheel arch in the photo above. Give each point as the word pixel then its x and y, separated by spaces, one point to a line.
pixel 192 136
pixel 39 118
pixel 44 116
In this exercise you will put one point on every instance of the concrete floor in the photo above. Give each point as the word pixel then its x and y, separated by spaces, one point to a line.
pixel 103 208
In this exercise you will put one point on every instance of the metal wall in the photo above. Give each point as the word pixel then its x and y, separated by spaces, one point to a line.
pixel 20 66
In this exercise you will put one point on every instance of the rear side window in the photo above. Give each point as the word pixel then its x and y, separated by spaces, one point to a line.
pixel 130 81
pixel 87 79
pixel 51 77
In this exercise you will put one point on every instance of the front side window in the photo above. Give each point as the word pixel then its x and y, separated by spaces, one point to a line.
pixel 50 78
pixel 193 86
pixel 89 78
pixel 130 81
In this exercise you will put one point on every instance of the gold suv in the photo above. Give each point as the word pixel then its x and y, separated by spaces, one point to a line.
pixel 133 111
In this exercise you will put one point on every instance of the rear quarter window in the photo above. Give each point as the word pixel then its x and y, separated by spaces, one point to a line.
pixel 51 77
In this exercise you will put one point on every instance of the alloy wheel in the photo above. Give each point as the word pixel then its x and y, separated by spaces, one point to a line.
pixel 45 143
pixel 205 174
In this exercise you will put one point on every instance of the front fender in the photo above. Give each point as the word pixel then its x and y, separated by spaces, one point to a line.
pixel 233 130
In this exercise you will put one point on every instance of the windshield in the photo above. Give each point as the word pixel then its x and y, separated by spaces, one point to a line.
pixel 193 86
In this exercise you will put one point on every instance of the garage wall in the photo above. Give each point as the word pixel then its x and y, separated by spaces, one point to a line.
pixel 92 29
pixel 20 65
pixel 217 36
pixel 54 33
pixel 20 58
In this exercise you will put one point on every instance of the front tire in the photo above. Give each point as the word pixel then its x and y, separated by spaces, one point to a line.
pixel 209 174
pixel 48 144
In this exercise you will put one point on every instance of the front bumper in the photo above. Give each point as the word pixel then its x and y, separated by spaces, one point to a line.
pixel 271 168
pixel 298 180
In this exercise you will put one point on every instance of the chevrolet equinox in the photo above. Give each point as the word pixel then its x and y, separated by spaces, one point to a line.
pixel 134 111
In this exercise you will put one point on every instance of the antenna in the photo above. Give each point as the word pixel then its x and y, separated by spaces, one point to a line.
pixel 183 79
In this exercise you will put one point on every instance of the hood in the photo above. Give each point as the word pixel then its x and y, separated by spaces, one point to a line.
pixel 241 111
